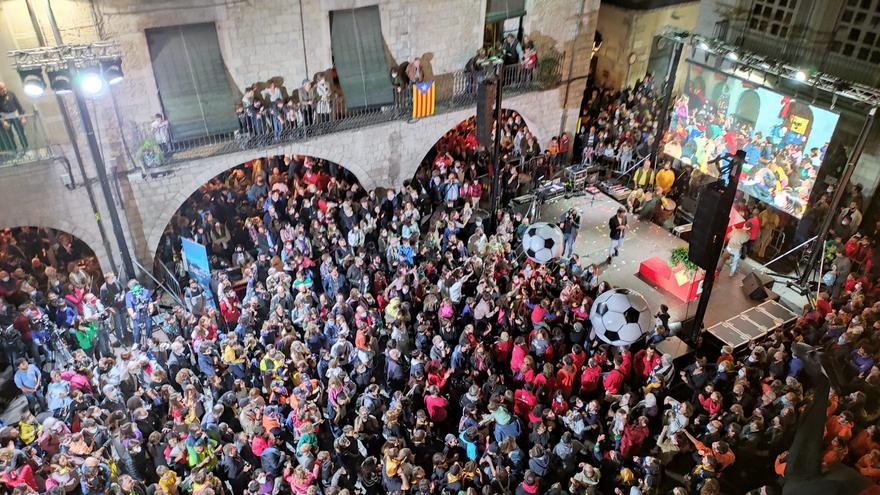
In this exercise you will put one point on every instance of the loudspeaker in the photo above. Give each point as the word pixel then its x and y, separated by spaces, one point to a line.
pixel 485 116
pixel 707 235
pixel 755 286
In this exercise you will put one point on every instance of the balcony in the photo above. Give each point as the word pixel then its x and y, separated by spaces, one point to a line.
pixel 23 140
pixel 453 91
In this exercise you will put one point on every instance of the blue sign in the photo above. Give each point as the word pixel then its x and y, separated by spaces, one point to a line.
pixel 195 258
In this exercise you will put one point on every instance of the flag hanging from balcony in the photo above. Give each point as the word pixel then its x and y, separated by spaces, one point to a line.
pixel 423 99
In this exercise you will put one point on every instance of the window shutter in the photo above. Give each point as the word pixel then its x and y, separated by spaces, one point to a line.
pixel 499 10
pixel 359 57
pixel 197 94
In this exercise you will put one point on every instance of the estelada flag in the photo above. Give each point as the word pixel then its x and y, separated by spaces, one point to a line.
pixel 423 99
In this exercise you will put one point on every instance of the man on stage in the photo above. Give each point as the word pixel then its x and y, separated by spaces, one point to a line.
pixel 617 226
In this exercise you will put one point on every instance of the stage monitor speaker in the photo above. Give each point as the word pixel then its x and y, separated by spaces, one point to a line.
pixel 755 286
pixel 707 235
pixel 485 118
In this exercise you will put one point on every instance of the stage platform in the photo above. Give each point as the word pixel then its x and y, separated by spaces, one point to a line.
pixel 646 240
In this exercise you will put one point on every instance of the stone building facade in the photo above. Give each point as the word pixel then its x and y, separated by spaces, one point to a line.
pixel 259 39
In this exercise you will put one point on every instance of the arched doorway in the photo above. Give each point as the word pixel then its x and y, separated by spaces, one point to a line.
pixel 41 260
pixel 748 107
pixel 458 153
pixel 248 209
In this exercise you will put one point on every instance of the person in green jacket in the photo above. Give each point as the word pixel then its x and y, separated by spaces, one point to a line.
pixel 86 333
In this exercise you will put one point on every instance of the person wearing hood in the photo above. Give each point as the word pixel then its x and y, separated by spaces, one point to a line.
pixel 530 485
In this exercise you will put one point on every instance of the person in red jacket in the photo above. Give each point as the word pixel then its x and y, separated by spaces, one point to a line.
pixel 711 402
pixel 502 348
pixel 613 381
pixel 524 400
pixel 565 377
pixel 625 363
pixel 645 361
pixel 435 404
pixel 590 376
pixel 634 435
pixel 229 308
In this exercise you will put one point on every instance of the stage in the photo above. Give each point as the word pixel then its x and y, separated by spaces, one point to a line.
pixel 645 240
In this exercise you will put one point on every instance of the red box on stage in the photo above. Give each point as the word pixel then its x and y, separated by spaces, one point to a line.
pixel 675 280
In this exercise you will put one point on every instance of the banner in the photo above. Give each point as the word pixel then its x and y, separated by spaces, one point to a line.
pixel 195 259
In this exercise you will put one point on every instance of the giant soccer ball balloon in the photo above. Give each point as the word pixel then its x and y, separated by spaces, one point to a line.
pixel 620 317
pixel 542 242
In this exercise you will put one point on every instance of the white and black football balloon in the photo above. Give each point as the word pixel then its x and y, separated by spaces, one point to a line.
pixel 620 317
pixel 542 242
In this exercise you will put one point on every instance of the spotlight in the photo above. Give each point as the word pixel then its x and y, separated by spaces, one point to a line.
pixel 800 76
pixel 732 56
pixel 32 82
pixel 90 81
pixel 59 80
pixel 112 70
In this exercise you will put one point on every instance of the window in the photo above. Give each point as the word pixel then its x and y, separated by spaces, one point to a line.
pixel 503 17
pixel 358 50
pixel 772 17
pixel 198 97
pixel 857 31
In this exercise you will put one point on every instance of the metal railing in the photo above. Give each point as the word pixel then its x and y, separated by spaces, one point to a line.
pixel 452 91
pixel 23 140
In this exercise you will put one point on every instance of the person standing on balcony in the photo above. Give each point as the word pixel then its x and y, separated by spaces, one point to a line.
pixel 271 92
pixel 325 94
pixel 12 120
pixel 307 99
pixel 512 50
pixel 161 132
pixel 528 63
pixel 414 71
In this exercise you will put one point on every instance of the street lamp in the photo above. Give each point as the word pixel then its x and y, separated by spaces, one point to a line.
pixel 84 70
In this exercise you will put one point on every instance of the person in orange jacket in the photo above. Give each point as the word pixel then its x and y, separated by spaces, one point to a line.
pixel 839 426
pixel 864 442
pixel 869 465
pixel 835 453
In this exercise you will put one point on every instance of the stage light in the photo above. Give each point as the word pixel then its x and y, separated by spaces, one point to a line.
pixel 32 82
pixel 112 70
pixel 732 56
pixel 90 82
pixel 703 46
pixel 59 80
pixel 800 76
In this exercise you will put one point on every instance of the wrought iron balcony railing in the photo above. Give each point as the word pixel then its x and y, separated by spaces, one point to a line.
pixel 23 140
pixel 156 147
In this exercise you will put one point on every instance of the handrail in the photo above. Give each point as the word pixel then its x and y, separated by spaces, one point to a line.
pixel 158 283
pixel 23 142
pixel 453 91
pixel 635 165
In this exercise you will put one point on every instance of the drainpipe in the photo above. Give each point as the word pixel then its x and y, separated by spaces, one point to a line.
pixel 577 33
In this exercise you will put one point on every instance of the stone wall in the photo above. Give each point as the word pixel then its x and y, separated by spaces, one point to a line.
pixel 627 31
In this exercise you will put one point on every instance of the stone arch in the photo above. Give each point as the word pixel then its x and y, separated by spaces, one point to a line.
pixel 194 182
pixel 468 116
pixel 176 188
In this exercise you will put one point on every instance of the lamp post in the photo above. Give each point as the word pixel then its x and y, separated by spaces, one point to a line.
pixel 84 70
